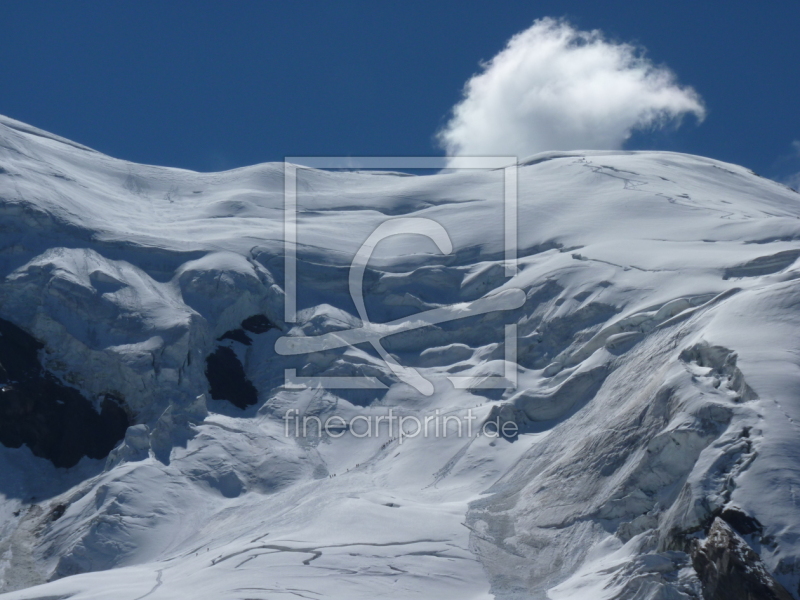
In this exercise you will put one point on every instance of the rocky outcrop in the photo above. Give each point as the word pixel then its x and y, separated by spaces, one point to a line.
pixel 55 421
pixel 227 380
pixel 224 369
pixel 730 570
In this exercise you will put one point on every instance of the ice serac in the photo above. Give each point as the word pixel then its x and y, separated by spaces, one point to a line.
pixel 148 445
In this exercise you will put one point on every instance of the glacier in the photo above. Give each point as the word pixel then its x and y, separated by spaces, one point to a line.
pixel 656 409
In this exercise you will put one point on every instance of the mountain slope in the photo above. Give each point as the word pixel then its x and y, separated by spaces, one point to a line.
pixel 656 401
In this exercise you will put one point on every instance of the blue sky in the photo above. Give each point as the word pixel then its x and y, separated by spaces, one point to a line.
pixel 212 85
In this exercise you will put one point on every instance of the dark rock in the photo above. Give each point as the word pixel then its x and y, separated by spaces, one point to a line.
pixel 227 380
pixel 58 512
pixel 729 569
pixel 55 421
pixel 254 324
pixel 741 522
pixel 257 324
pixel 237 335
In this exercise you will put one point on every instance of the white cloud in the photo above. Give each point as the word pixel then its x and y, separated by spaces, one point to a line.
pixel 556 88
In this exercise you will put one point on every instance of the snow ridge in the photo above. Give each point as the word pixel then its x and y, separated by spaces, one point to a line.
pixel 655 410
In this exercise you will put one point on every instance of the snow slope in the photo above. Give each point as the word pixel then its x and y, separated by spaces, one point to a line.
pixel 658 375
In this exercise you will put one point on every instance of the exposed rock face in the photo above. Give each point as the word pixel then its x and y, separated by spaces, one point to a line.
pixel 730 570
pixel 55 421
pixel 227 380
pixel 741 522
pixel 237 335
pixel 257 324
pixel 224 370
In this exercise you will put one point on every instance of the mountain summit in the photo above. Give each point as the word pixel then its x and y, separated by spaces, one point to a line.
pixel 614 415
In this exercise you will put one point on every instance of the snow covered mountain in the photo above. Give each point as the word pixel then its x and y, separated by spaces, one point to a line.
pixel 150 439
